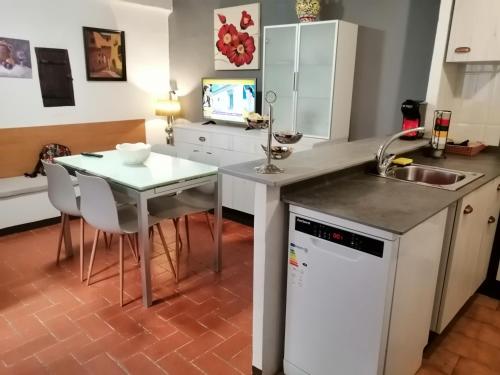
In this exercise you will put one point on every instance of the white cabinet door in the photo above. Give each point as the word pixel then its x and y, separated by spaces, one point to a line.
pixel 279 73
pixel 475 31
pixel 315 78
pixel 462 261
pixel 490 195
pixel 243 191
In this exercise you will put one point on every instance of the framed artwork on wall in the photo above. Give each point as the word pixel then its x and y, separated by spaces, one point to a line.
pixel 15 58
pixel 237 37
pixel 104 54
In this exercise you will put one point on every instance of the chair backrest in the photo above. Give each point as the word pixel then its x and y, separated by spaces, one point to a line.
pixel 97 203
pixel 208 189
pixel 164 149
pixel 62 193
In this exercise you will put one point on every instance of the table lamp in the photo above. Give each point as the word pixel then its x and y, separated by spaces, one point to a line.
pixel 168 108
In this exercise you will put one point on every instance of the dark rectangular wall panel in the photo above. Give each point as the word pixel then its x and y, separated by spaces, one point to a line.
pixel 56 81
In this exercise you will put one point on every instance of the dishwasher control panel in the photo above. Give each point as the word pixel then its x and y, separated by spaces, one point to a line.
pixel 340 236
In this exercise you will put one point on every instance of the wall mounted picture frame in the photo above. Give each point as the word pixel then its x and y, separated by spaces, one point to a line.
pixel 15 58
pixel 237 37
pixel 105 58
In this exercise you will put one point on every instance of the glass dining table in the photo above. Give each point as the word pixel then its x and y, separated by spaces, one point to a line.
pixel 159 175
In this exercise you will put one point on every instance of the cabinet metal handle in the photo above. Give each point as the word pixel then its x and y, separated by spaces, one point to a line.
pixel 462 50
pixel 209 153
pixel 468 209
pixel 491 220
pixel 196 150
pixel 202 139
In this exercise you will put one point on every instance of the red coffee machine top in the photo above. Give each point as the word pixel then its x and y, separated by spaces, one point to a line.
pixel 413 115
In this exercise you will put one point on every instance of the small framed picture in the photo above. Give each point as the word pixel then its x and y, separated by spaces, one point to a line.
pixel 15 58
pixel 104 54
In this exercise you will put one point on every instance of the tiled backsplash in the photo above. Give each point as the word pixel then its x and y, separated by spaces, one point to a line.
pixel 477 97
pixel 476 103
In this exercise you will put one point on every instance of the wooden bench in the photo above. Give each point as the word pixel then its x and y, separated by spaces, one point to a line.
pixel 24 200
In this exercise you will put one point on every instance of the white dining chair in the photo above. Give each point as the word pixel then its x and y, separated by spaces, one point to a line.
pixel 196 200
pixel 99 209
pixel 63 197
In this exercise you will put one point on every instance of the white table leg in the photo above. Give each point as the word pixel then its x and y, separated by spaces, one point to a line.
pixel 218 224
pixel 144 246
pixel 269 284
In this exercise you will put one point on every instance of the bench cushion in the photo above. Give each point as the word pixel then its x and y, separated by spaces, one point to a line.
pixel 20 185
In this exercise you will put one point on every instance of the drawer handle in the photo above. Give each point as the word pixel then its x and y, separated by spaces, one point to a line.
pixel 196 150
pixel 209 153
pixel 491 220
pixel 462 50
pixel 202 139
pixel 498 187
pixel 468 209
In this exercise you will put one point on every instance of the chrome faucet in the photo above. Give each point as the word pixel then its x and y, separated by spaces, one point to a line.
pixel 384 160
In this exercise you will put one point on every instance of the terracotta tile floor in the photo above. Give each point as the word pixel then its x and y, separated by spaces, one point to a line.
pixel 51 323
pixel 470 345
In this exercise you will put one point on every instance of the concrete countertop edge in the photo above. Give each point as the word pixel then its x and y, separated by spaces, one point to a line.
pixel 457 195
pixel 246 170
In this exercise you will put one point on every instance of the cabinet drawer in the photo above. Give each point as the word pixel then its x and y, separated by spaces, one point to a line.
pixel 202 138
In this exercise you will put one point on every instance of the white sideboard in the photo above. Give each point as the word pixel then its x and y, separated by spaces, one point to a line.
pixel 223 145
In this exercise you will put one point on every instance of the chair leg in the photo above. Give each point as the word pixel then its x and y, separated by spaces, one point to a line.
pixel 176 226
pixel 121 268
pixel 92 255
pixel 165 247
pixel 209 225
pixel 177 249
pixel 60 238
pixel 186 224
pixel 136 239
pixel 133 248
pixel 82 245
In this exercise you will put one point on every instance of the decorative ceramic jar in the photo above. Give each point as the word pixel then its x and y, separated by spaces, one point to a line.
pixel 308 10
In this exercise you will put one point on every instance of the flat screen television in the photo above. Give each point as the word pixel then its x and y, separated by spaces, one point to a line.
pixel 228 99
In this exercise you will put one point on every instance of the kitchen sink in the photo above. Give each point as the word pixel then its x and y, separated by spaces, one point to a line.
pixel 442 178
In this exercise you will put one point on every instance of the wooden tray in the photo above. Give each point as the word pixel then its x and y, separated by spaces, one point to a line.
pixel 472 149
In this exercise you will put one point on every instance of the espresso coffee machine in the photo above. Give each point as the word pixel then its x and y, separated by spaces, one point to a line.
pixel 413 117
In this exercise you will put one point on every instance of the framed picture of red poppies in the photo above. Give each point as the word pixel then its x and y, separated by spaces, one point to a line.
pixel 237 37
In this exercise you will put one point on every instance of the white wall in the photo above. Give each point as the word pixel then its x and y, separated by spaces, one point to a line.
pixel 58 24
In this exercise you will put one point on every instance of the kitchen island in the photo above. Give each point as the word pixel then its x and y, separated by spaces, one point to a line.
pixel 271 232
pixel 331 178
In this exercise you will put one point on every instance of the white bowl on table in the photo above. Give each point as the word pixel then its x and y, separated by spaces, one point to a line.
pixel 134 153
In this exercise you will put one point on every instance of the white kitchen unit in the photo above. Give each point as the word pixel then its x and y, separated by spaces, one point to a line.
pixel 310 66
pixel 359 299
pixel 469 253
pixel 475 31
pixel 223 145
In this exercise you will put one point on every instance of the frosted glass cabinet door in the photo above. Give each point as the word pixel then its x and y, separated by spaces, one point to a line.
pixel 314 90
pixel 279 68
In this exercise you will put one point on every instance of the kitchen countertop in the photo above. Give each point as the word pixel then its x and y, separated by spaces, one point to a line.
pixel 323 159
pixel 390 205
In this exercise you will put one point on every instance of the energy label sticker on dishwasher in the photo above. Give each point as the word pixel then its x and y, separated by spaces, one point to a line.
pixel 292 258
pixel 297 269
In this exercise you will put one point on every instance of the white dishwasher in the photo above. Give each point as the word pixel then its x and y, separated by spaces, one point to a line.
pixel 339 291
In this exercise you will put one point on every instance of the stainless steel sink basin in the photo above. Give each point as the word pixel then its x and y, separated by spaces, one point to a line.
pixel 432 176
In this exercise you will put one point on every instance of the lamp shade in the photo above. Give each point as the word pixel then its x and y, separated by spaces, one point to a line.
pixel 167 107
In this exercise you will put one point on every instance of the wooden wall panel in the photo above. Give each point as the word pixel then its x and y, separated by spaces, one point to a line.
pixel 19 147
